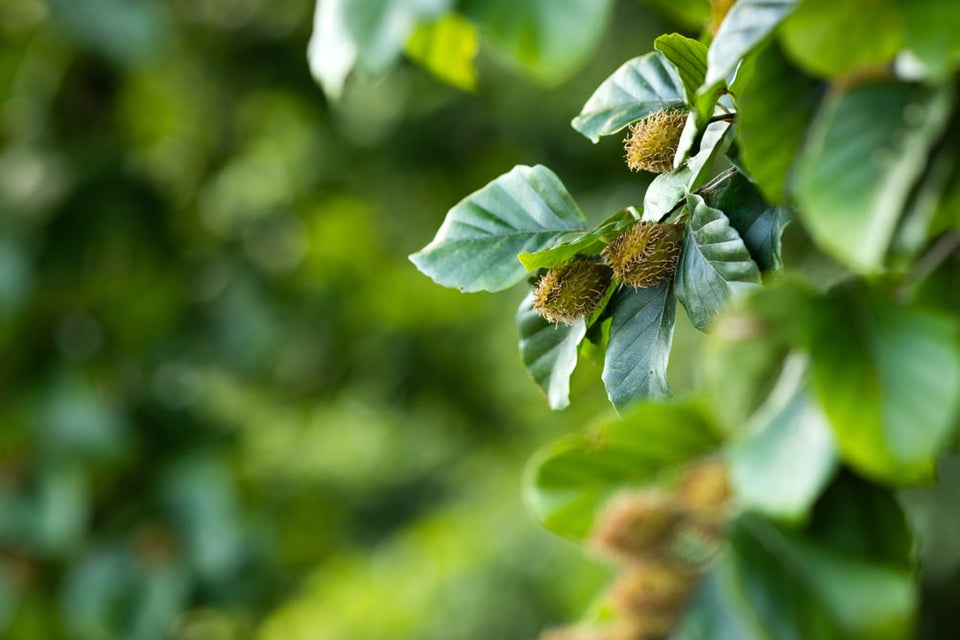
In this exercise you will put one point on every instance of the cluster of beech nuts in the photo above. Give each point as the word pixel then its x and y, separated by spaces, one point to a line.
pixel 644 255
pixel 663 542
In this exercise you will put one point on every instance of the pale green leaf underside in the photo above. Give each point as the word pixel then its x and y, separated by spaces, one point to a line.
pixel 715 265
pixel 549 352
pixel 476 247
pixel 641 333
pixel 638 88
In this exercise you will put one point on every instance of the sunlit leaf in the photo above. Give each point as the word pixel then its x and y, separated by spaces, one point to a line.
pixel 689 58
pixel 578 243
pixel 569 480
pixel 447 48
pixel 476 247
pixel 640 86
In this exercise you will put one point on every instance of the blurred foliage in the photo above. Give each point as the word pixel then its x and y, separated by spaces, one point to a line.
pixel 229 406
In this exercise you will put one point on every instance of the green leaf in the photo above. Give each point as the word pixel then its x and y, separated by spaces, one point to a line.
pixel 888 378
pixel 639 347
pixel 831 38
pixel 746 349
pixel 546 38
pixel 831 583
pixel 332 51
pixel 865 150
pixel 640 86
pixel 476 247
pixel 934 514
pixel 786 456
pixel 930 33
pixel 775 104
pixel 712 142
pixel 567 481
pixel 689 58
pixel 549 352
pixel 759 224
pixel 747 24
pixel 714 264
pixel 446 48
pixel 665 192
pixel 585 243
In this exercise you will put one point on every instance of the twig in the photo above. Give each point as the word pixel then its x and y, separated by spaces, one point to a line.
pixel 942 249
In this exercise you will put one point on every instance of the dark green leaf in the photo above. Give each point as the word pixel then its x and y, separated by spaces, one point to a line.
pixel 569 480
pixel 714 264
pixel 786 456
pixel 934 514
pixel 775 105
pixel 547 39
pixel 640 337
pixel 888 378
pixel 476 247
pixel 831 38
pixel 747 24
pixel 865 150
pixel 638 88
pixel 549 352
pixel 759 224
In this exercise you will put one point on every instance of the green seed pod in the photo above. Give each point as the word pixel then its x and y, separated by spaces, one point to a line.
pixel 571 291
pixel 653 141
pixel 645 255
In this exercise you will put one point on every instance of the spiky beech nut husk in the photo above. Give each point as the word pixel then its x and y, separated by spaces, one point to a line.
pixel 617 631
pixel 645 255
pixel 571 291
pixel 653 141
pixel 718 11
pixel 652 594
pixel 705 487
pixel 636 526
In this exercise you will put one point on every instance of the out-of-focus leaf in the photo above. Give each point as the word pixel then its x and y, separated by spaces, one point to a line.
pixel 930 33
pixel 786 456
pixel 746 25
pixel 865 150
pixel 332 50
pixel 715 265
pixel 546 38
pixel 888 378
pixel 775 104
pixel 126 32
pixel 446 48
pixel 934 514
pixel 476 247
pixel 549 352
pixel 690 13
pixel 641 333
pixel 640 86
pixel 831 583
pixel 569 480
pixel 833 38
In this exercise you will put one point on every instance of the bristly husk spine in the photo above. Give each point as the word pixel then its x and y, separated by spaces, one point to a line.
pixel 645 255
pixel 653 141
pixel 572 291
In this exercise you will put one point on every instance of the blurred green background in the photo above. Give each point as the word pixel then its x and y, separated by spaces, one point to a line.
pixel 229 405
